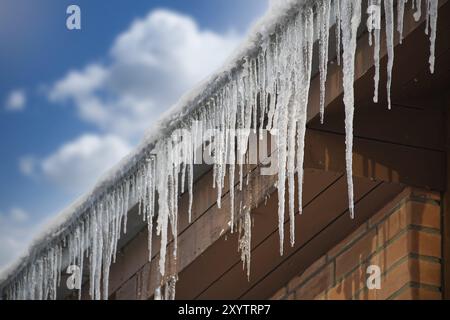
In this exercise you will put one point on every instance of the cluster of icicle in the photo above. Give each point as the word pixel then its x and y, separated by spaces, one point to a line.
pixel 270 91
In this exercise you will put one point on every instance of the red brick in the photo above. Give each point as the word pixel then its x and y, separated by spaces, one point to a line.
pixel 412 213
pixel 412 241
pixel 357 253
pixel 426 194
pixel 411 293
pixel 390 207
pixel 411 270
pixel 346 288
pixel 280 294
pixel 316 285
pixel 424 214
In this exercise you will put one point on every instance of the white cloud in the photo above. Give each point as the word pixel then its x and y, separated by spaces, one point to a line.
pixel 77 164
pixel 150 66
pixel 16 231
pixel 16 100
pixel 18 215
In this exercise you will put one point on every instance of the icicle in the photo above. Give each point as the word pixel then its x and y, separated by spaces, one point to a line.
pixel 271 84
pixel 370 26
pixel 337 14
pixel 241 146
pixel 127 199
pixel 262 93
pixel 433 16
pixel 351 18
pixel 254 93
pixel 291 169
pixel 82 244
pixel 400 15
pixel 163 215
pixel 232 148
pixel 157 294
pixel 418 13
pixel 376 56
pixel 151 207
pixel 389 12
pixel 170 288
pixel 93 256
pixel 306 42
pixel 324 18
pixel 221 151
pixel 282 116
pixel 191 160
pixel 108 242
pixel 245 240
pixel 99 256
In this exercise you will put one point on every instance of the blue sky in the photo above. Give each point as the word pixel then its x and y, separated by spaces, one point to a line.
pixel 72 103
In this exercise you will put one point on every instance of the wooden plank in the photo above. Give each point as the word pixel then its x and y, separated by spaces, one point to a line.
pixel 376 160
pixel 421 128
pixel 209 266
pixel 320 212
pixel 413 83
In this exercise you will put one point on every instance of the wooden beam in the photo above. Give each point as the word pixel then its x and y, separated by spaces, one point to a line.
pixel 376 160
pixel 324 211
pixel 265 222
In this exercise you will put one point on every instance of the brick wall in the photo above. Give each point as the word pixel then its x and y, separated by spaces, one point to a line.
pixel 403 239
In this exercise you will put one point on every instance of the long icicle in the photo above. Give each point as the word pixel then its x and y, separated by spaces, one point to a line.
pixel 351 18
pixel 433 17
pixel 400 16
pixel 324 32
pixel 305 61
pixel 376 55
pixel 389 13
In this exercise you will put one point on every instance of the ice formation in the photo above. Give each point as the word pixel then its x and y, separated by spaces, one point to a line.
pixel 350 20
pixel 266 86
pixel 389 17
pixel 245 240
pixel 376 55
